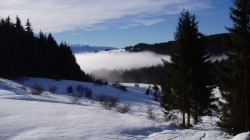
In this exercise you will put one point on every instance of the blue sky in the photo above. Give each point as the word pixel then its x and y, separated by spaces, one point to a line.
pixel 116 23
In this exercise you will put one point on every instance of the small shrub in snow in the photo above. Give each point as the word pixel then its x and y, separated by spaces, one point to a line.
pixel 88 93
pixel 83 91
pixel 119 86
pixel 137 85
pixel 156 96
pixel 172 117
pixel 75 100
pixel 106 83
pixel 36 89
pixel 147 91
pixel 101 98
pixel 69 89
pixel 150 112
pixel 53 89
pixel 100 82
pixel 124 109
pixel 156 88
pixel 108 102
pixel 123 88
pixel 112 102
pixel 79 88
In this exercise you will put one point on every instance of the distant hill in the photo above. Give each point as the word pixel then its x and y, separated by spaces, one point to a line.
pixel 79 48
pixel 215 45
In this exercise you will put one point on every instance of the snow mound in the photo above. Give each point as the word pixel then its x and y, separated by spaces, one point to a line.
pixel 242 136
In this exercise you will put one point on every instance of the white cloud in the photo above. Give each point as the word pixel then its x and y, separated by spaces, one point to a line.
pixel 146 22
pixel 61 15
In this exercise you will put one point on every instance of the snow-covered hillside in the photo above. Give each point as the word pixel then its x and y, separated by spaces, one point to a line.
pixel 24 116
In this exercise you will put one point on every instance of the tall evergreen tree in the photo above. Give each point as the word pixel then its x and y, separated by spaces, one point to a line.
pixel 18 24
pixel 24 54
pixel 29 28
pixel 190 82
pixel 234 77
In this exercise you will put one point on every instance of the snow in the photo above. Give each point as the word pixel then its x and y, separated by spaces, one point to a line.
pixel 242 136
pixel 52 116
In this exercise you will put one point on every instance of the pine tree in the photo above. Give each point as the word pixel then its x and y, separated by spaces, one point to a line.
pixel 190 80
pixel 18 25
pixel 235 75
pixel 29 28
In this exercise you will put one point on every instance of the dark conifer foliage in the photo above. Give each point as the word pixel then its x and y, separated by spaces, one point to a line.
pixel 189 77
pixel 24 54
pixel 234 75
pixel 214 45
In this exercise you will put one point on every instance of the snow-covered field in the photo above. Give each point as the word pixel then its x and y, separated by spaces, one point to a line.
pixel 24 116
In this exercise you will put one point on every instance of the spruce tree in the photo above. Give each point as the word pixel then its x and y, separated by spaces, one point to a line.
pixel 189 81
pixel 234 76
pixel 18 25
pixel 29 28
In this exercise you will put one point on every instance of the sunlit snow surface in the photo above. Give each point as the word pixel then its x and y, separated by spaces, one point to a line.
pixel 29 117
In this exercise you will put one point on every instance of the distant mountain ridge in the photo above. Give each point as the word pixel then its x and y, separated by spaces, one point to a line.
pixel 215 45
pixel 80 48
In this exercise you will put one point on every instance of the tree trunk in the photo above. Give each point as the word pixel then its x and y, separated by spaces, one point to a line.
pixel 246 97
pixel 183 119
pixel 188 118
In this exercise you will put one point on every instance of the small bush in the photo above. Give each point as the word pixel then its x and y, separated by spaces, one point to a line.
pixel 108 102
pixel 112 102
pixel 79 88
pixel 37 89
pixel 88 93
pixel 156 88
pixel 150 112
pixel 147 91
pixel 75 99
pixel 124 109
pixel 137 85
pixel 119 86
pixel 99 82
pixel 106 83
pixel 53 89
pixel 123 88
pixel 101 98
pixel 171 117
pixel 69 89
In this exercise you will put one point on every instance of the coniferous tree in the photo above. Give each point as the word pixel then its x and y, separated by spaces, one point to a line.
pixel 29 28
pixel 24 54
pixel 189 81
pixel 18 24
pixel 234 76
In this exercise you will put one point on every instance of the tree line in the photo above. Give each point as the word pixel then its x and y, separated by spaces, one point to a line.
pixel 190 77
pixel 214 45
pixel 23 53
pixel 149 75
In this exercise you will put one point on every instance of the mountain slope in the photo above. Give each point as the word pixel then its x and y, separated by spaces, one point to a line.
pixel 49 116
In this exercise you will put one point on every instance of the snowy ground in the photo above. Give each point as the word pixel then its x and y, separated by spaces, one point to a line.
pixel 30 117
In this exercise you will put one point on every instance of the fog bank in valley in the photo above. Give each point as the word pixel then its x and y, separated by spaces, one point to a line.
pixel 116 60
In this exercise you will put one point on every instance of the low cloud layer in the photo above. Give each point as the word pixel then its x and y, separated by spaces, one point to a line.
pixel 116 60
pixel 64 15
